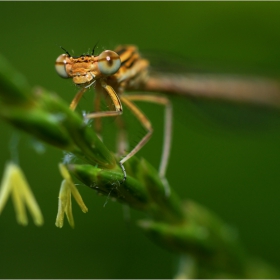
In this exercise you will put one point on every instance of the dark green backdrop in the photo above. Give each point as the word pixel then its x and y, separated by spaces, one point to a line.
pixel 232 169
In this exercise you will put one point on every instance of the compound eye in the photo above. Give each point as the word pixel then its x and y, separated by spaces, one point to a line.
pixel 60 66
pixel 108 62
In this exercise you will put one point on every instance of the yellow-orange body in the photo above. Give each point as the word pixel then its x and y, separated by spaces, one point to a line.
pixel 85 70
pixel 111 73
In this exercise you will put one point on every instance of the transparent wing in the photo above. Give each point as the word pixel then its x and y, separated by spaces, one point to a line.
pixel 208 85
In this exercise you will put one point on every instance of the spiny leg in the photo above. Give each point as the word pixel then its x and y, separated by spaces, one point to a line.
pixel 77 98
pixel 118 111
pixel 167 125
pixel 122 144
pixel 117 103
pixel 116 100
pixel 167 132
pixel 144 121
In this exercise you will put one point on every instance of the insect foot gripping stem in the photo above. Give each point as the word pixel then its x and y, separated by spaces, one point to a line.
pixel 124 173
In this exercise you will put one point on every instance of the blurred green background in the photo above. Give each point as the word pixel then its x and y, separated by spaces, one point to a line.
pixel 231 167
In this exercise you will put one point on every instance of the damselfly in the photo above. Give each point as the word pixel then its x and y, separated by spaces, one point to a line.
pixel 117 72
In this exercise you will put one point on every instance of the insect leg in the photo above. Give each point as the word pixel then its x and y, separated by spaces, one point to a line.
pixel 77 98
pixel 144 121
pixel 161 100
pixel 118 111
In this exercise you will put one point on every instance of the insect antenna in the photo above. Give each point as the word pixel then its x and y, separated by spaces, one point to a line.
pixel 65 51
pixel 92 53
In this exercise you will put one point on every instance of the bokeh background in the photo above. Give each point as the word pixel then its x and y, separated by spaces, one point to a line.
pixel 224 157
